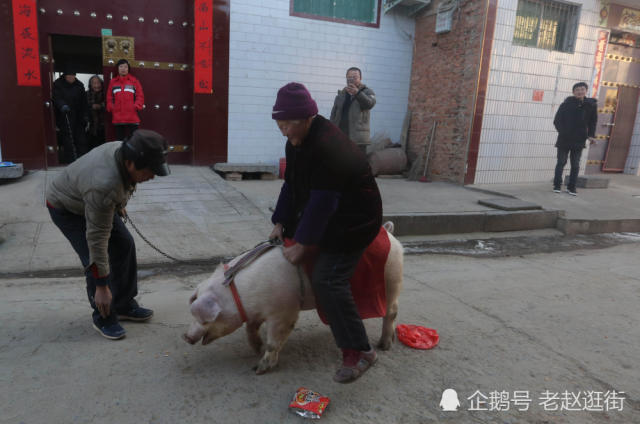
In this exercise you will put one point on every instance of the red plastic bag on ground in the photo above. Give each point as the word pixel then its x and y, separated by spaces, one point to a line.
pixel 417 337
pixel 308 404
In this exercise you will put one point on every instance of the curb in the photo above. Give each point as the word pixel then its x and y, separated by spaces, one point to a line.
pixel 498 221
pixel 598 226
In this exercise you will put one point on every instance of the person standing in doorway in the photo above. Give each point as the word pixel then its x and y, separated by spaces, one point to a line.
pixel 124 100
pixel 575 121
pixel 71 115
pixel 95 99
pixel 351 109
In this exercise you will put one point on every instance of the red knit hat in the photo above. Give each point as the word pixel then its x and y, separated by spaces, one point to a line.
pixel 294 102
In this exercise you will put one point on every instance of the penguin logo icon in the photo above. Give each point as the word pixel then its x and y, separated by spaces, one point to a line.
pixel 449 401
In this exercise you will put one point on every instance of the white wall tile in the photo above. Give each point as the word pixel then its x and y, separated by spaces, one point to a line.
pixel 269 48
pixel 520 137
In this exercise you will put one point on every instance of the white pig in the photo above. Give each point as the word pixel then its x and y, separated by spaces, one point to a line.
pixel 272 292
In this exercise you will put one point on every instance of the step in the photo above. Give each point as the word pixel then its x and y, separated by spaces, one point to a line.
pixel 240 171
pixel 11 172
pixel 589 181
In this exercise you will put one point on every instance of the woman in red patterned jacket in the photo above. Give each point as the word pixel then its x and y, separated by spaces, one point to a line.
pixel 124 99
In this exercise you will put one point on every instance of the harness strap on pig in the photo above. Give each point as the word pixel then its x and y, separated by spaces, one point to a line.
pixel 231 271
pixel 236 297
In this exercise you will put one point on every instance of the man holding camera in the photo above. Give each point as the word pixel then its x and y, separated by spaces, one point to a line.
pixel 351 109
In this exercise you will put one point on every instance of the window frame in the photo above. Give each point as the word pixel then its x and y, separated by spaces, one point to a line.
pixel 572 23
pixel 375 24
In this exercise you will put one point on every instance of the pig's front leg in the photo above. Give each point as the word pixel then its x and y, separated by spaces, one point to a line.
pixel 278 331
pixel 255 341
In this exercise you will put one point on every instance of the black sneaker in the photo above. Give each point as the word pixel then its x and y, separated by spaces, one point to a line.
pixel 110 331
pixel 556 189
pixel 136 313
pixel 572 192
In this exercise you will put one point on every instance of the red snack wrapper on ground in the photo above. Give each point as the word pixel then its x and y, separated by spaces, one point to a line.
pixel 417 337
pixel 308 404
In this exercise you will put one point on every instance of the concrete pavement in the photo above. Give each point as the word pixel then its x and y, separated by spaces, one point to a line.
pixel 194 214
pixel 562 323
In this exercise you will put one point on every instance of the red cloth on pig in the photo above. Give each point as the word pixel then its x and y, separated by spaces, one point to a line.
pixel 367 284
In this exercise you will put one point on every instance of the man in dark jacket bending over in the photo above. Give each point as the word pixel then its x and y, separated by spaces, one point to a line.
pixel 329 201
pixel 86 200
pixel 575 121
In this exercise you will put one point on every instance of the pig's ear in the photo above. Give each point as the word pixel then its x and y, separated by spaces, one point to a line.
pixel 205 309
pixel 193 297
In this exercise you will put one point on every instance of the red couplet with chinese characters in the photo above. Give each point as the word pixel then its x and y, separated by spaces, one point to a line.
pixel 25 35
pixel 203 47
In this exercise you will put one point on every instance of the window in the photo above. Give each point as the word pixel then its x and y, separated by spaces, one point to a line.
pixel 546 24
pixel 357 12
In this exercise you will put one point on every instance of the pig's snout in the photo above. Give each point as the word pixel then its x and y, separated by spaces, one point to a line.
pixel 194 334
pixel 188 339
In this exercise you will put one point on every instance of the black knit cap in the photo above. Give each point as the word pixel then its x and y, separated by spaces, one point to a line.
pixel 148 149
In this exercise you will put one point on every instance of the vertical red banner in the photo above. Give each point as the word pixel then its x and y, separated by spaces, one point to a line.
pixel 203 47
pixel 25 36
pixel 601 51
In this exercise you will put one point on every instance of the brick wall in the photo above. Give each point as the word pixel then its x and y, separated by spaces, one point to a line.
pixel 269 48
pixel 443 84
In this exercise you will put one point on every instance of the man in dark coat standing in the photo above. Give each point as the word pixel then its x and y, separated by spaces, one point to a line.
pixel 71 110
pixel 575 121
pixel 329 202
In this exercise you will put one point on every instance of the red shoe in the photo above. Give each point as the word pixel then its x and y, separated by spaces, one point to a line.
pixel 354 364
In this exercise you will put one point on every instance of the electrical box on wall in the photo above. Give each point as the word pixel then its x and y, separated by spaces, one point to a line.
pixel 444 17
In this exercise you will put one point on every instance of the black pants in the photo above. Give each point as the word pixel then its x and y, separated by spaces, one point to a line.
pixel 575 167
pixel 331 286
pixel 74 143
pixel 124 131
pixel 123 280
pixel 95 137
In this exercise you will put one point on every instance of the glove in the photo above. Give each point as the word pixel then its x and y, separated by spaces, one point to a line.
pixel 65 108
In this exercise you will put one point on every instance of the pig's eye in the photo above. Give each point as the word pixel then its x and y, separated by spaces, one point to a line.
pixel 193 298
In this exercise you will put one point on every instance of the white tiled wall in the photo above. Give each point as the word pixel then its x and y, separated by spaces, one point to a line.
pixel 518 136
pixel 633 158
pixel 268 48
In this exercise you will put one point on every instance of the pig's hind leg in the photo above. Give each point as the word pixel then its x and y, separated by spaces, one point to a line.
pixel 278 330
pixel 393 283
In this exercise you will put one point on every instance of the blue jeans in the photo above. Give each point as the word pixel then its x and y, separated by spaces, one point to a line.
pixel 575 167
pixel 123 280
pixel 332 289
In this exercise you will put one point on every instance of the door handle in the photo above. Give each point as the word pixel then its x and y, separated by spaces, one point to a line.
pixel 47 104
pixel 608 125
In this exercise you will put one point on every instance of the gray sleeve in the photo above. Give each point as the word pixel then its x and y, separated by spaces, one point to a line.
pixel 334 111
pixel 366 98
pixel 98 212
